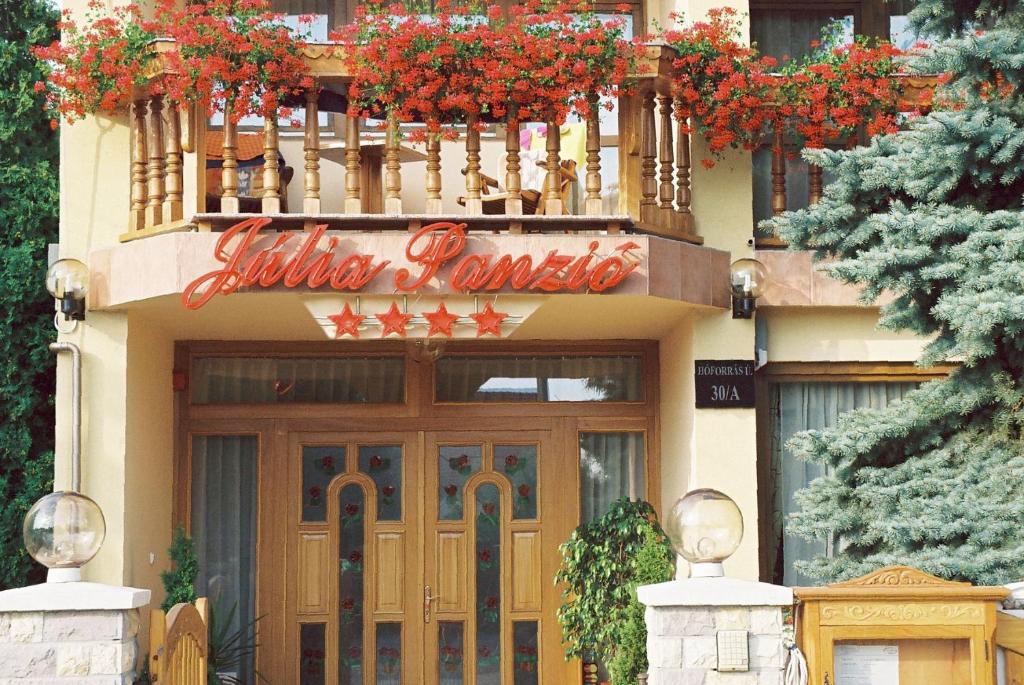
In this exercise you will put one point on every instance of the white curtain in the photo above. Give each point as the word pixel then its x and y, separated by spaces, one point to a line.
pixel 611 466
pixel 254 380
pixel 224 525
pixel 797 407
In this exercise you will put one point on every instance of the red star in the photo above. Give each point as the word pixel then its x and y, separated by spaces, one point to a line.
pixel 488 321
pixel 346 323
pixel 440 321
pixel 394 321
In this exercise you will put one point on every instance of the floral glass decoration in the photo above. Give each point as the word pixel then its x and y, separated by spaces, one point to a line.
pixel 389 654
pixel 519 464
pixel 320 464
pixel 350 585
pixel 312 638
pixel 524 645
pixel 383 463
pixel 488 585
pixel 456 464
pixel 450 658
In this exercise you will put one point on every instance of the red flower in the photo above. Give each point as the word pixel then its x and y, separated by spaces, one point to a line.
pixel 524 490
pixel 488 508
pixel 389 490
pixel 327 463
pixel 491 602
pixel 355 557
pixel 511 461
pixel 351 509
pixel 314 492
pixel 451 489
pixel 376 462
pixel 484 555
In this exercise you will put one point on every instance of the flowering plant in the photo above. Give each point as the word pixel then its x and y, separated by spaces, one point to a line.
pixel 725 88
pixel 840 87
pixel 531 62
pixel 736 98
pixel 225 50
pixel 96 65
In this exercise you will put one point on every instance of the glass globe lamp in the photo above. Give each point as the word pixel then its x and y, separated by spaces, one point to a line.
pixel 68 281
pixel 63 531
pixel 747 279
pixel 705 528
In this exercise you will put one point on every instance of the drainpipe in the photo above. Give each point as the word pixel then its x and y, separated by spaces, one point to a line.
pixel 76 410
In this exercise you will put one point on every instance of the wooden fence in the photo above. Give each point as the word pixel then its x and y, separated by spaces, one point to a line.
pixel 178 642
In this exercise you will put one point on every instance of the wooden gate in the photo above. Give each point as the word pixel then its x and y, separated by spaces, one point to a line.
pixel 178 643
pixel 1010 637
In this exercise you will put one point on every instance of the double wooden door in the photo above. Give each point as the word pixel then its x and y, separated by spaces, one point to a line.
pixel 426 557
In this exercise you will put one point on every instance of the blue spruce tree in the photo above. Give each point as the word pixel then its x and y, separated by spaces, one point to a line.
pixel 933 215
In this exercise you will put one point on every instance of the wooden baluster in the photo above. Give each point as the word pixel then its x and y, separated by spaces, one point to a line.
pixel 353 196
pixel 229 169
pixel 474 205
pixel 311 146
pixel 139 158
pixel 392 173
pixel 778 173
pixel 815 187
pixel 271 166
pixel 553 179
pixel 155 177
pixel 173 206
pixel 513 179
pixel 666 189
pixel 433 205
pixel 592 204
pixel 648 161
pixel 683 194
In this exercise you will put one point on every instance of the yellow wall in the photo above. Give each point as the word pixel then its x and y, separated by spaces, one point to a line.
pixel 128 418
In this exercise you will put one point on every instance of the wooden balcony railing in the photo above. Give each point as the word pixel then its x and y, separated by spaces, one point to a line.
pixel 168 169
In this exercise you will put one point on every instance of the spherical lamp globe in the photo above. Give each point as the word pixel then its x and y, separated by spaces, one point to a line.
pixel 63 531
pixel 705 528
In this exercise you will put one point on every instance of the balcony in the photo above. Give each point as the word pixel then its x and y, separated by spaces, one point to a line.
pixel 634 177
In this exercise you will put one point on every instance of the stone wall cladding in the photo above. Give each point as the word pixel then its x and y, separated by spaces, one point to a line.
pixel 682 648
pixel 63 647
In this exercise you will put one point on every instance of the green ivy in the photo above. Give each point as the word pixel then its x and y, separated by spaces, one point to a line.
pixel 180 581
pixel 602 564
pixel 28 222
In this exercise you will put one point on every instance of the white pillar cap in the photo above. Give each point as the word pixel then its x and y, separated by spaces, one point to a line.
pixel 73 596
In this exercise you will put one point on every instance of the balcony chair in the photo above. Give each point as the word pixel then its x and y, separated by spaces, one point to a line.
pixel 533 200
pixel 250 173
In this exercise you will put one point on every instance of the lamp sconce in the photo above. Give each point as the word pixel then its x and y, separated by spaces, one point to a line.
pixel 68 282
pixel 746 279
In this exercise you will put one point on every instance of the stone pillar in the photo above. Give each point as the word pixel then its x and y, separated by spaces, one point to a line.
pixel 684 618
pixel 63 633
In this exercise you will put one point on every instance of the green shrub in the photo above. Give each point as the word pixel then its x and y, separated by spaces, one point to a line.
pixel 180 581
pixel 602 563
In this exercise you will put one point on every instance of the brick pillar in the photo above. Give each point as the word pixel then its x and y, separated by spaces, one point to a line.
pixel 63 633
pixel 683 620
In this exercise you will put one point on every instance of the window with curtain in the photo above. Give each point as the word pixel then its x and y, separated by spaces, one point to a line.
pixel 611 467
pixel 539 379
pixel 224 471
pixel 796 407
pixel 261 380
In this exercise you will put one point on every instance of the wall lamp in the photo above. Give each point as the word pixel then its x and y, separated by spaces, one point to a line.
pixel 68 281
pixel 746 278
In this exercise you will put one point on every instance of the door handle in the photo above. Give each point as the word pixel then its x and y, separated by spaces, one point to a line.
pixel 427 599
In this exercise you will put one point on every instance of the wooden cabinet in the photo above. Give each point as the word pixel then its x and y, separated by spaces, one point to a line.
pixel 899 620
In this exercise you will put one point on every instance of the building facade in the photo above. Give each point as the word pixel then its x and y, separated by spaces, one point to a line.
pixel 378 452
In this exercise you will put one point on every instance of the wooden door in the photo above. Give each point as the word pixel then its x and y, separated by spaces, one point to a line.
pixel 355 571
pixel 496 507
pixel 427 558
